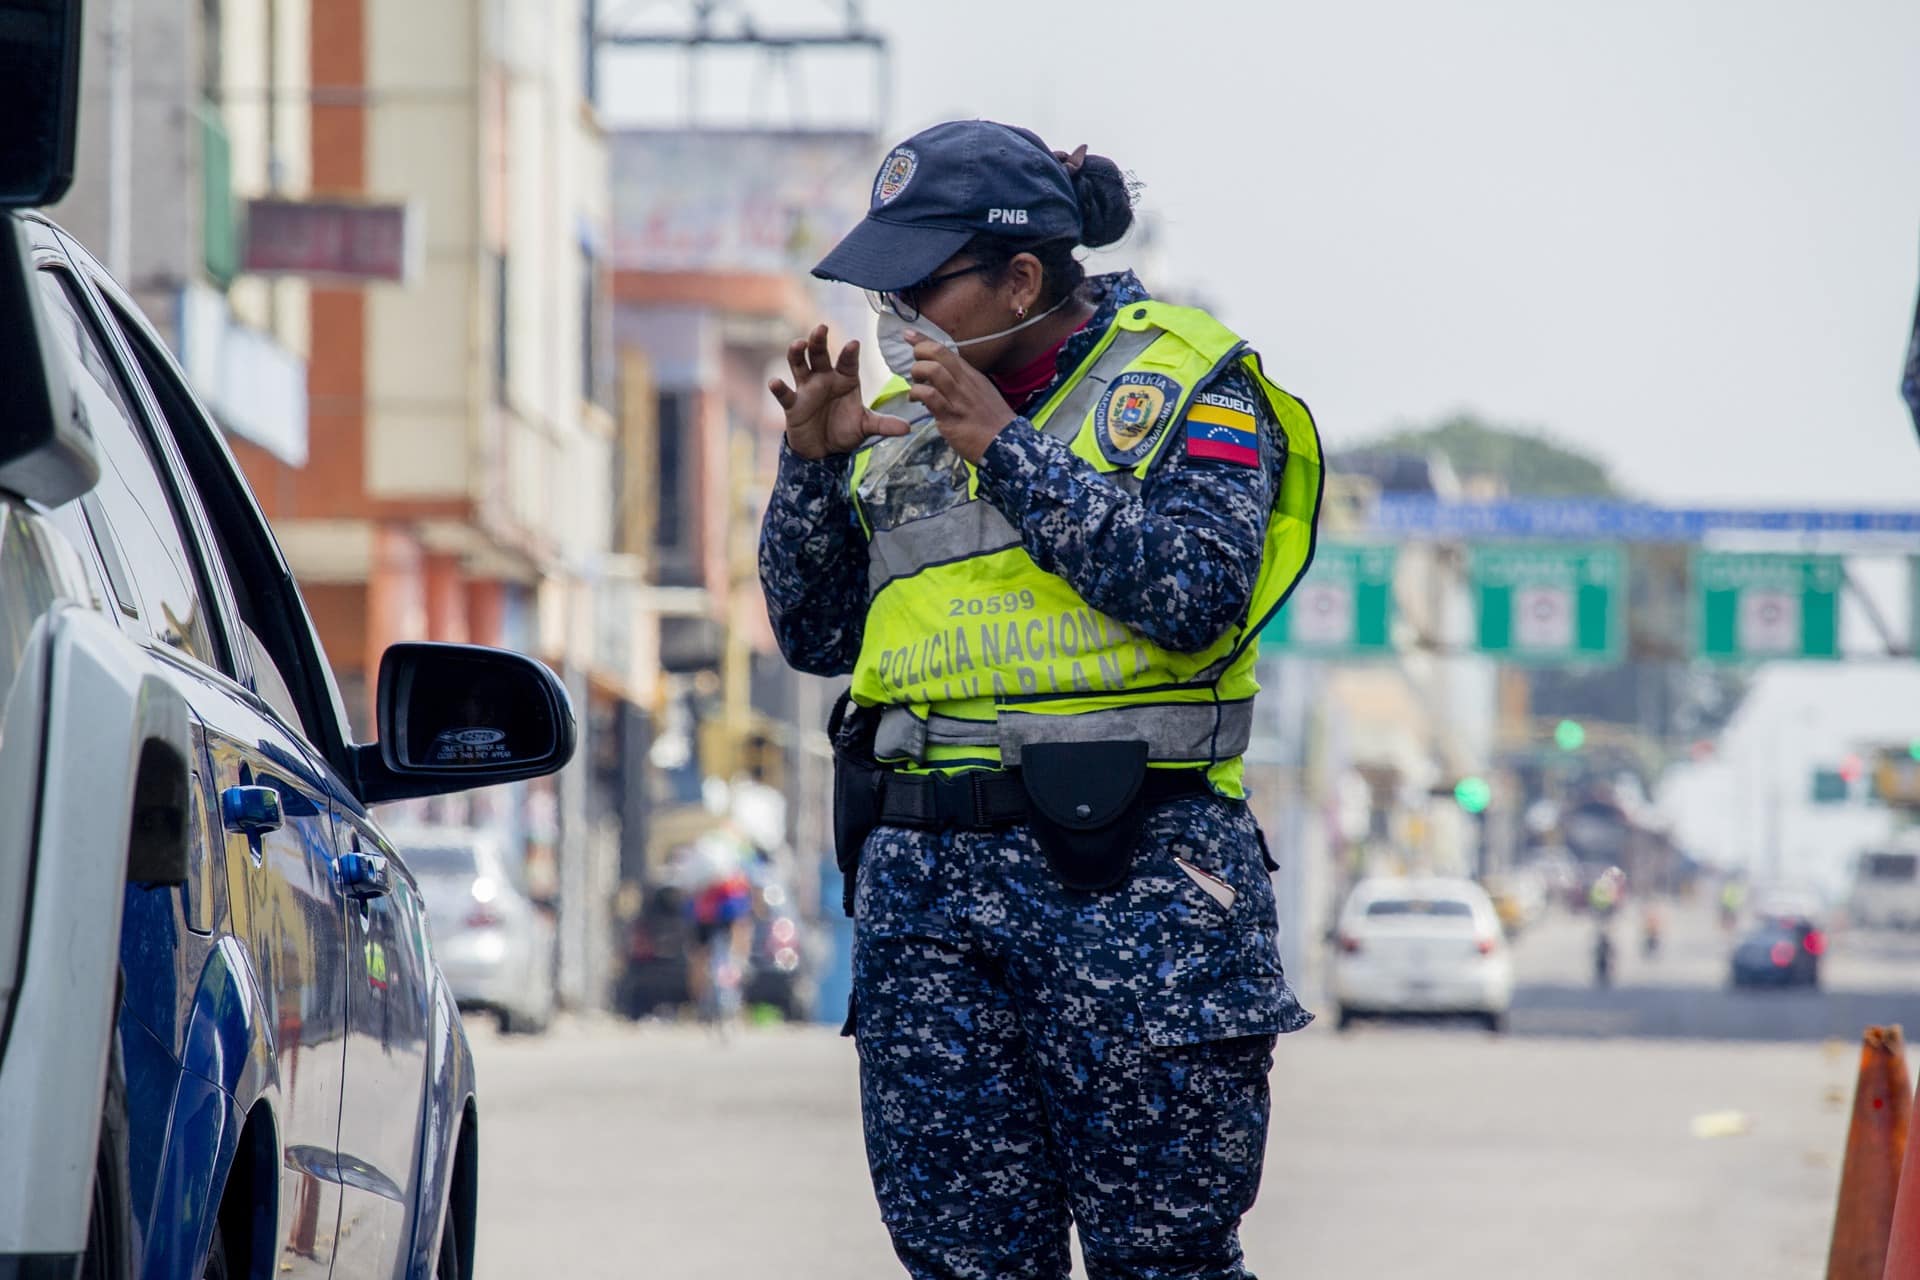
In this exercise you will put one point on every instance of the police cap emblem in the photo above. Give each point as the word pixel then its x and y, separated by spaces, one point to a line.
pixel 895 174
pixel 1133 415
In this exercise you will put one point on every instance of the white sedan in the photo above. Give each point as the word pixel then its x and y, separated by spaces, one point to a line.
pixel 1422 945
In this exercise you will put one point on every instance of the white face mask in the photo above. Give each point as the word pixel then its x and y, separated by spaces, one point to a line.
pixel 897 351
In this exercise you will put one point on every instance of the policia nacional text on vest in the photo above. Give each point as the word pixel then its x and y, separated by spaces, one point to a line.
pixel 974 659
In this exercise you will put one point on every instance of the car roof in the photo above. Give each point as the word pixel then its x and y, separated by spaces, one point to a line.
pixel 1429 887
pixel 406 836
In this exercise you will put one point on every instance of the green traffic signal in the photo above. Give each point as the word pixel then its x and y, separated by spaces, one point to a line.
pixel 1473 794
pixel 1913 749
pixel 1569 735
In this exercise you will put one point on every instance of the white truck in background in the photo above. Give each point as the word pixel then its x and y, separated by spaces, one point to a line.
pixel 1886 885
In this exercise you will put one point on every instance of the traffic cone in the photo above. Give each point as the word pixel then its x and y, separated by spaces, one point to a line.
pixel 1903 1248
pixel 1876 1147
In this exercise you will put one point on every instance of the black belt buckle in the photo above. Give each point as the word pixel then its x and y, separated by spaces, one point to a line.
pixel 956 800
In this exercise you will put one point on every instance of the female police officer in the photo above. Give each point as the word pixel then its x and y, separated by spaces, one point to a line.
pixel 1045 556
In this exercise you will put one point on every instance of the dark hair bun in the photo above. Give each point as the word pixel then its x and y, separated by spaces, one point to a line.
pixel 1106 201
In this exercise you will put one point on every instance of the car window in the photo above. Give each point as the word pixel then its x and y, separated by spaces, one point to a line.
pixel 1890 866
pixel 161 587
pixel 277 653
pixel 1451 907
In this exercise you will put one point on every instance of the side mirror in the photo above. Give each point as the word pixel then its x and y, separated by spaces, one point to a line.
pixel 455 716
pixel 39 99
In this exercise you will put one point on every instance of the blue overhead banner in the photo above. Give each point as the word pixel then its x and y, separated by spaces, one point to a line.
pixel 1408 516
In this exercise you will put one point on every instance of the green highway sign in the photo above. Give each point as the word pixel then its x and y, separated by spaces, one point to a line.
pixel 1550 604
pixel 1342 608
pixel 1753 607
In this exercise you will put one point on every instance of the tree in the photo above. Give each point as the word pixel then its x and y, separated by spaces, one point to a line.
pixel 1527 462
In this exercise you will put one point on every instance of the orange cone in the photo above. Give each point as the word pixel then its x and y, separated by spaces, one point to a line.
pixel 1876 1146
pixel 1903 1249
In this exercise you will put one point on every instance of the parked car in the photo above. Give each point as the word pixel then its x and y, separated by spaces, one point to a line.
pixel 658 941
pixel 494 945
pixel 226 1047
pixel 1425 945
pixel 1779 951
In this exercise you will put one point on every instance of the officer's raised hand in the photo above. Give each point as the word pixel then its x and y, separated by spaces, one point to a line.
pixel 967 408
pixel 825 411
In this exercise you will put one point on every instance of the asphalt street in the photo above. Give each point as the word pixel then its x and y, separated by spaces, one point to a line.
pixel 1592 1142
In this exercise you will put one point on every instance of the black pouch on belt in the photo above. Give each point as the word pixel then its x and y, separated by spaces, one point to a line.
pixel 856 787
pixel 1086 809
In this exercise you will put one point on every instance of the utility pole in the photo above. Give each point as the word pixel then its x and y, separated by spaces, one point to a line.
pixel 120 139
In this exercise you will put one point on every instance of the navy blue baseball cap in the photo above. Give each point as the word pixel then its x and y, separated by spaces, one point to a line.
pixel 939 189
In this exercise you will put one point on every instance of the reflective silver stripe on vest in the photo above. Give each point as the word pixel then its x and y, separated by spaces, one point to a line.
pixel 902 734
pixel 1175 732
pixel 971 529
pixel 1185 732
pixel 977 528
pixel 1129 345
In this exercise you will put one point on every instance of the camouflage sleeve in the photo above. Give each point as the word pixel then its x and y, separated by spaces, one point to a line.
pixel 813 565
pixel 1176 563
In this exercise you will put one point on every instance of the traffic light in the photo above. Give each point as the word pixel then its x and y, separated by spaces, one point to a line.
pixel 1473 794
pixel 1569 735
pixel 1852 768
pixel 1913 750
pixel 1830 786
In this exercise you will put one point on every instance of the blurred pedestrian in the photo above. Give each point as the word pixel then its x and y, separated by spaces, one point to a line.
pixel 719 906
pixel 1733 896
pixel 1652 926
pixel 1045 555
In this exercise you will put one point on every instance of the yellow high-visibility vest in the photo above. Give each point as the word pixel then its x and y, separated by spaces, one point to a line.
pixel 975 651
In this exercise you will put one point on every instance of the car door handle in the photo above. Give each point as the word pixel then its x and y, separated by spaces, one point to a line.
pixel 250 811
pixel 364 875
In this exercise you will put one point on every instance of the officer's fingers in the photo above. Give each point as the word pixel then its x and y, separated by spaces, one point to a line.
pixel 938 352
pixel 817 358
pixel 932 399
pixel 932 373
pixel 848 365
pixel 797 360
pixel 783 393
pixel 881 424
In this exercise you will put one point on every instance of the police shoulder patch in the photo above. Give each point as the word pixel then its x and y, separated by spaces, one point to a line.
pixel 1133 414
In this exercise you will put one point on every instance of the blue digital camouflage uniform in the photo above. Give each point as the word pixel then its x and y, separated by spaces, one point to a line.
pixel 1029 1052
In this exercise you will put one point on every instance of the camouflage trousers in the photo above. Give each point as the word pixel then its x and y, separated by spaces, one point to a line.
pixel 1031 1055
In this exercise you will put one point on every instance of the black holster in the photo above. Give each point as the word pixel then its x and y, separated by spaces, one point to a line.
pixel 857 779
pixel 1087 808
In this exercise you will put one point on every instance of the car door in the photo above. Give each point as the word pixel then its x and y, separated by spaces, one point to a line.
pixel 388 1020
pixel 274 801
pixel 383 995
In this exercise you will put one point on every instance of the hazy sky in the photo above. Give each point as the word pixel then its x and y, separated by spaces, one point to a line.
pixel 1681 234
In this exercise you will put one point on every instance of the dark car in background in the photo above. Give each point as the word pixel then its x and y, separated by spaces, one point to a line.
pixel 1779 951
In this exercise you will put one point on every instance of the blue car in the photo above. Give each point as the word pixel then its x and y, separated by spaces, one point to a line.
pixel 225 1046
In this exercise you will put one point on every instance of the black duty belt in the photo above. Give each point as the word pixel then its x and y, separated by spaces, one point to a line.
pixel 983 799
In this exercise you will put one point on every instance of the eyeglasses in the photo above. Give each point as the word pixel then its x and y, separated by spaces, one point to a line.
pixel 906 303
